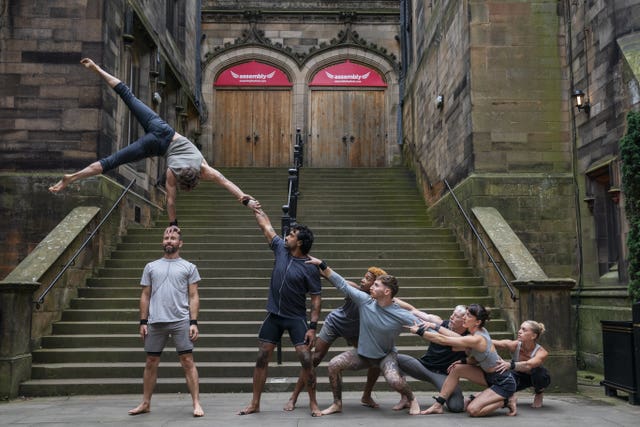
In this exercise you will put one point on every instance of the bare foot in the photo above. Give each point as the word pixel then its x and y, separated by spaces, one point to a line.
pixel 290 405
pixel 512 406
pixel 197 410
pixel 142 408
pixel 60 185
pixel 315 411
pixel 404 403
pixel 335 407
pixel 249 409
pixel 369 402
pixel 537 400
pixel 414 408
pixel 436 408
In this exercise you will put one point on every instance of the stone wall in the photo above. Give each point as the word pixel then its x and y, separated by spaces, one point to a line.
pixel 599 68
pixel 501 136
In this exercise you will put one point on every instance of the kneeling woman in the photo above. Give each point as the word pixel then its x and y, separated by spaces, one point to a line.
pixel 480 369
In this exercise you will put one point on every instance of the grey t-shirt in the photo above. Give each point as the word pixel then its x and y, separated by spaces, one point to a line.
pixel 183 154
pixel 169 280
pixel 379 326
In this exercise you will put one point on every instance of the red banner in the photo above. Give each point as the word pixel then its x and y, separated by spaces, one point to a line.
pixel 252 74
pixel 348 74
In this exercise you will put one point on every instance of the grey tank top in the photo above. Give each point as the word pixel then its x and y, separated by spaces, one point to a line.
pixel 515 356
pixel 183 154
pixel 487 359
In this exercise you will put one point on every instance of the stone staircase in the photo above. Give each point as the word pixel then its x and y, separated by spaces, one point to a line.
pixel 361 217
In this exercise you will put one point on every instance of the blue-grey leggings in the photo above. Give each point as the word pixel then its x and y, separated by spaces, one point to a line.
pixel 155 141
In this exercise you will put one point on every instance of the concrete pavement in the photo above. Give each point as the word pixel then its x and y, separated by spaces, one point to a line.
pixel 589 407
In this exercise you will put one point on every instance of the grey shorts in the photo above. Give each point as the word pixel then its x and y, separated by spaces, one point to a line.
pixel 329 333
pixel 158 333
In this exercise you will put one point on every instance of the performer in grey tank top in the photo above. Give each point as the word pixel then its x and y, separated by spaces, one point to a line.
pixel 185 164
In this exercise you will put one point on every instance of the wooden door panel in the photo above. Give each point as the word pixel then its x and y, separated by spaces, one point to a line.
pixel 367 137
pixel 348 129
pixel 231 126
pixel 252 128
pixel 272 125
pixel 327 129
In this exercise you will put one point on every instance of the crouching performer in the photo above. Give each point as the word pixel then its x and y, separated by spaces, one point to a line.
pixel 381 321
pixel 482 366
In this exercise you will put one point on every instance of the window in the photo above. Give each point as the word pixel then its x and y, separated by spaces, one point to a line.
pixel 603 195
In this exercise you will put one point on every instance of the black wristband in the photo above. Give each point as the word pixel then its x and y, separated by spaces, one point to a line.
pixel 313 325
pixel 193 322
pixel 322 266
pixel 420 330
pixel 513 365
pixel 144 321
pixel 246 200
pixel 437 328
pixel 174 222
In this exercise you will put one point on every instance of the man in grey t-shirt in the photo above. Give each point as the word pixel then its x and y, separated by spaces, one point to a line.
pixel 169 305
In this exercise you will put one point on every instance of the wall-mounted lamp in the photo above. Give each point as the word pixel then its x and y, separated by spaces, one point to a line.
pixel 581 101
pixel 439 102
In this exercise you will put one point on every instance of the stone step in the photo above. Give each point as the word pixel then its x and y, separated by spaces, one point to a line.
pixel 449 282
pixel 261 291
pixel 218 273
pixel 246 302
pixel 98 386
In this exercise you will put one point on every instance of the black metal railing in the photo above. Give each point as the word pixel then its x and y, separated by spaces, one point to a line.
pixel 484 247
pixel 290 210
pixel 40 299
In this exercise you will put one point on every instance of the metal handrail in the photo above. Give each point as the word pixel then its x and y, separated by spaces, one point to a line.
pixel 290 210
pixel 40 300
pixel 475 232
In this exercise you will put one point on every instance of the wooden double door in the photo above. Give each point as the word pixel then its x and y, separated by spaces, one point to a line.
pixel 347 128
pixel 252 128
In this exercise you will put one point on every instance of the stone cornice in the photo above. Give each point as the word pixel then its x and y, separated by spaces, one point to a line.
pixel 345 38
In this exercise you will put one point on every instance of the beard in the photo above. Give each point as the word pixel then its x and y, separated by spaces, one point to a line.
pixel 169 249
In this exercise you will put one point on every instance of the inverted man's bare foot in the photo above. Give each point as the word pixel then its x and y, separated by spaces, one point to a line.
pixel 537 400
pixel 512 406
pixel 142 408
pixel 60 185
pixel 250 409
pixel 290 405
pixel 436 408
pixel 404 403
pixel 414 407
pixel 369 402
pixel 197 410
pixel 335 407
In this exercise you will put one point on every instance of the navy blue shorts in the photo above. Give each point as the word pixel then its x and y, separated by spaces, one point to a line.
pixel 274 326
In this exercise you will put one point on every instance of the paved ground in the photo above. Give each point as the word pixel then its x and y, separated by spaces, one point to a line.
pixel 587 408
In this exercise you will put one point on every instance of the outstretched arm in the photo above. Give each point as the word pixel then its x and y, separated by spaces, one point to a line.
pixel 211 174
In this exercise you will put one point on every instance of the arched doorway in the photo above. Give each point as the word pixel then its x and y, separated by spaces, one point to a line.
pixel 348 126
pixel 252 116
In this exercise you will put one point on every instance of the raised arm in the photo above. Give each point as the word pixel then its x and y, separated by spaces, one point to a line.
pixel 265 225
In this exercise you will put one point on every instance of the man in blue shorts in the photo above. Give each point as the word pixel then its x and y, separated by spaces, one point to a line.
pixel 169 306
pixel 291 280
